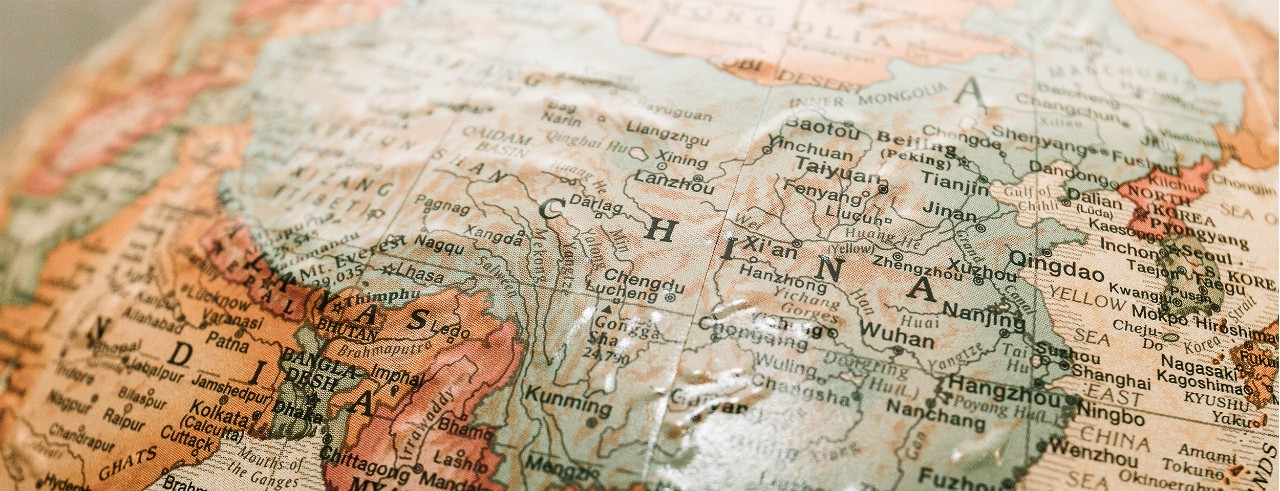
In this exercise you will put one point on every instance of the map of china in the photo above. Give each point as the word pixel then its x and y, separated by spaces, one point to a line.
pixel 376 245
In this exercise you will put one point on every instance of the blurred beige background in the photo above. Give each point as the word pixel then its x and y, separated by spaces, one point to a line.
pixel 40 38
